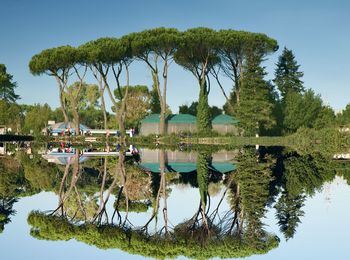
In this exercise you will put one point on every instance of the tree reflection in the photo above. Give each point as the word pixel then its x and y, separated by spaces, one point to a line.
pixel 12 184
pixel 250 193
pixel 302 176
pixel 206 229
pixel 6 210
pixel 97 202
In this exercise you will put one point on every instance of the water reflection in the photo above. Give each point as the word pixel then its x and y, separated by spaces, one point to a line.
pixel 233 232
pixel 121 202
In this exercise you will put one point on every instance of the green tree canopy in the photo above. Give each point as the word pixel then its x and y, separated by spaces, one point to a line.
pixel 306 110
pixel 138 103
pixel 198 53
pixel 156 47
pixel 253 177
pixel 256 104
pixel 155 102
pixel 11 115
pixel 36 117
pixel 11 179
pixel 53 61
pixel 106 51
pixel 41 175
pixel 86 98
pixel 287 74
pixel 136 242
pixel 56 62
pixel 7 86
pixel 343 118
pixel 234 47
pixel 192 109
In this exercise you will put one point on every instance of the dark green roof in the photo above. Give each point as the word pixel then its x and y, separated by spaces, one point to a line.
pixel 170 167
pixel 153 118
pixel 181 118
pixel 186 167
pixel 171 119
pixel 224 119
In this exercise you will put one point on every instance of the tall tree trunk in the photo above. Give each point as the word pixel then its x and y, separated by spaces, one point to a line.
pixel 76 98
pixel 162 126
pixel 98 76
pixel 122 172
pixel 203 112
pixel 76 119
pixel 162 162
pixel 103 107
pixel 121 114
pixel 238 82
pixel 63 106
pixel 203 180
pixel 61 81
pixel 163 99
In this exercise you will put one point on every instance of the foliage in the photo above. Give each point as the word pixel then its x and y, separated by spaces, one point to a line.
pixel 138 183
pixel 253 176
pixel 326 118
pixel 156 47
pixel 57 62
pixel 87 98
pixel 57 115
pixel 138 104
pixel 154 102
pixel 234 48
pixel 12 180
pixel 197 53
pixel 235 54
pixel 342 168
pixel 11 115
pixel 93 118
pixel 287 74
pixel 189 109
pixel 36 117
pixel 6 210
pixel 327 141
pixel 137 242
pixel 81 206
pixel 203 112
pixel 133 206
pixel 288 212
pixel 343 118
pixel 256 105
pixel 41 175
pixel 302 175
pixel 53 60
pixel 306 110
pixel 106 51
pixel 306 174
pixel 161 42
pixel 7 86
pixel 203 177
pixel 192 109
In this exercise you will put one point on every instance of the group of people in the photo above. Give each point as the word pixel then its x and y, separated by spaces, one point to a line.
pixel 63 148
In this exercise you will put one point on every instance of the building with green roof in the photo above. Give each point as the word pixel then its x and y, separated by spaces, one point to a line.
pixel 224 124
pixel 186 162
pixel 175 123
pixel 178 123
pixel 187 167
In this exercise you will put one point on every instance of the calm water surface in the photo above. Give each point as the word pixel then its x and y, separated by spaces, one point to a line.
pixel 267 204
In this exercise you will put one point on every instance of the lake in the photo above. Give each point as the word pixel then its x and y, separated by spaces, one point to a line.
pixel 256 202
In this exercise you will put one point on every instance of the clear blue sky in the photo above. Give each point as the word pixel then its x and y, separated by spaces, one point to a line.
pixel 317 32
